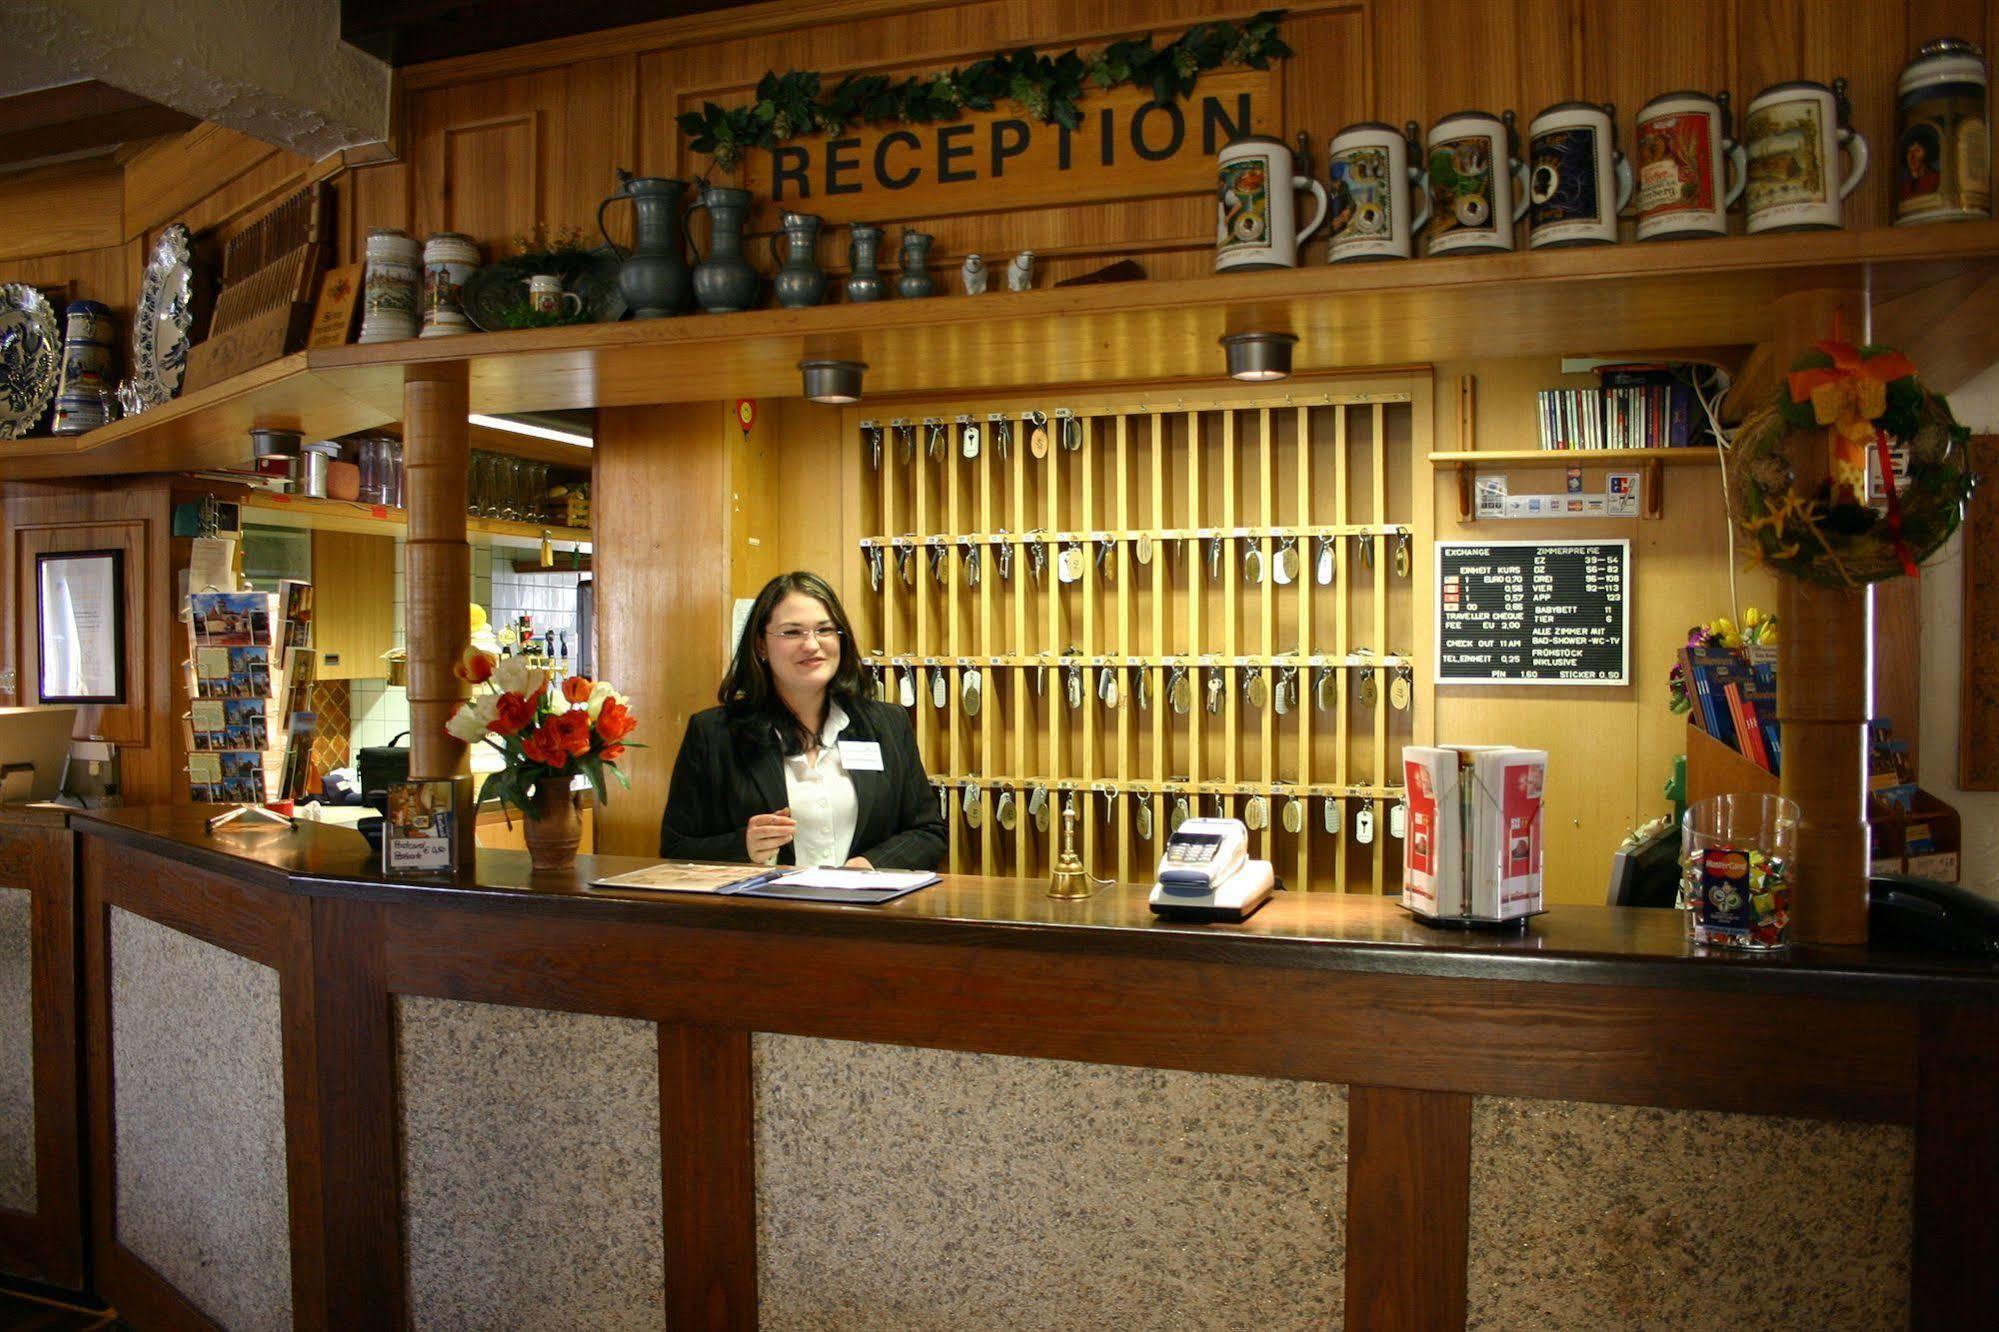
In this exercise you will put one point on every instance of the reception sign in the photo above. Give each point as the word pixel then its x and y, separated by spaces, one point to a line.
pixel 1127 146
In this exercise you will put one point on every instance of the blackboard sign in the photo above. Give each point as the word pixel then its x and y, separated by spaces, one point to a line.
pixel 1533 612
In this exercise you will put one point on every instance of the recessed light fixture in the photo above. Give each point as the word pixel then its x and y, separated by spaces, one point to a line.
pixel 835 383
pixel 514 427
pixel 1259 356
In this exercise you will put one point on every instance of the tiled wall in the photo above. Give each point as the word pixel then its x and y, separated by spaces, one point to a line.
pixel 381 713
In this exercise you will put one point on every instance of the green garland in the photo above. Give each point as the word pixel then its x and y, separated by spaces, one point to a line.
pixel 789 106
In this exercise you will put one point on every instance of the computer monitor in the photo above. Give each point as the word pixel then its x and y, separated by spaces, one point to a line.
pixel 1648 874
pixel 34 751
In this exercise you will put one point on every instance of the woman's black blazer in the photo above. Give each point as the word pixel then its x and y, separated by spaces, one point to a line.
pixel 730 769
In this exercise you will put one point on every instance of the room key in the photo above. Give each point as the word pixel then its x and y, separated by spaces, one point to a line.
pixel 971 439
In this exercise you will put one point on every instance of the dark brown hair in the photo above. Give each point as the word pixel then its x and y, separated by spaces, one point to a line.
pixel 748 691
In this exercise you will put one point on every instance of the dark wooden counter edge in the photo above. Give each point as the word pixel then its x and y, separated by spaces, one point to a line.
pixel 1844 973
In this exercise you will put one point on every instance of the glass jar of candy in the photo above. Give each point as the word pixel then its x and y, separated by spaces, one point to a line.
pixel 1736 853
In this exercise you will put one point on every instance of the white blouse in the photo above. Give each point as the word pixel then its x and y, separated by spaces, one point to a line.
pixel 822 798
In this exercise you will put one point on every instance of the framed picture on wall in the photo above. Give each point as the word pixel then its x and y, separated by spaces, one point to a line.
pixel 80 626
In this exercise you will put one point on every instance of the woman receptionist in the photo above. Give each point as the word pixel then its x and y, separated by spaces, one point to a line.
pixel 798 766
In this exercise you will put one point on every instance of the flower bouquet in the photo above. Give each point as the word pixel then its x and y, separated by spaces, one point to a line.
pixel 1757 629
pixel 549 734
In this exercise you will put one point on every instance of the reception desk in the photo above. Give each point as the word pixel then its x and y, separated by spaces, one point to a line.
pixel 320 1099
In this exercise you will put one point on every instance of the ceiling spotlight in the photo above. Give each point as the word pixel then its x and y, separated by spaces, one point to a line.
pixel 1259 356
pixel 835 383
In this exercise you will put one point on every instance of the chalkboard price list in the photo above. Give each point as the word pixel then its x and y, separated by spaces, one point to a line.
pixel 1533 612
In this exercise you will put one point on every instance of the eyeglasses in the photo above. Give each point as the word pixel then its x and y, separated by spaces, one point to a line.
pixel 794 634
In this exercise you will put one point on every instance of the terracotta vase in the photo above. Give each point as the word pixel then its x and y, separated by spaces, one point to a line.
pixel 552 827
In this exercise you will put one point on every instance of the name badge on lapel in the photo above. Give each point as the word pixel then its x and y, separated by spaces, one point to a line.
pixel 861 755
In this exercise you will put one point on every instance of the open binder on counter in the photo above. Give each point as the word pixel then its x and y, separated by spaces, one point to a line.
pixel 825 884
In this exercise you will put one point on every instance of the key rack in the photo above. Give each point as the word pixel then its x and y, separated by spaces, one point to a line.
pixel 1029 566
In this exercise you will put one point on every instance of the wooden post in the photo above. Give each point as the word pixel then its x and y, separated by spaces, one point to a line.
pixel 1825 668
pixel 437 566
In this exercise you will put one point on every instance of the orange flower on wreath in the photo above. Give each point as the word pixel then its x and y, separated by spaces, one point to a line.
pixel 511 715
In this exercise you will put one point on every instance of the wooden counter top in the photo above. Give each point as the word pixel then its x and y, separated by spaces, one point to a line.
pixel 1319 931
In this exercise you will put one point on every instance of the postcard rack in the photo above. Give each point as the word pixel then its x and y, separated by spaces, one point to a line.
pixel 1155 605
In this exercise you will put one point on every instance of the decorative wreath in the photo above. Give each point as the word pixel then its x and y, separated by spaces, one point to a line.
pixel 1867 399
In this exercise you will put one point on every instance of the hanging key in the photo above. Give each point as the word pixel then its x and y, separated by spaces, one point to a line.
pixel 1037 438
pixel 1294 815
pixel 908 692
pixel 874 557
pixel 1322 689
pixel 933 437
pixel 1005 809
pixel 1285 696
pixel 1002 436
pixel 1179 693
pixel 1107 690
pixel 1398 819
pixel 1072 688
pixel 1037 557
pixel 905 565
pixel 943 802
pixel 1256 814
pixel 1037 807
pixel 1003 556
pixel 1107 559
pixel 940 688
pixel 1069 564
pixel 1367 550
pixel 1400 690
pixel 1334 818
pixel 971 692
pixel 1402 555
pixel 968 438
pixel 1215 558
pixel 1284 565
pixel 938 566
pixel 1141 549
pixel 1143 818
pixel 871 439
pixel 1326 558
pixel 971 563
pixel 1255 689
pixel 1252 561
pixel 1142 693
pixel 1179 815
pixel 1072 431
pixel 1215 688
pixel 1370 692
pixel 1109 794
pixel 974 808
pixel 1363 825
pixel 1041 680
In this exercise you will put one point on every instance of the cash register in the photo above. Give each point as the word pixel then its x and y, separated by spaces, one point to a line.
pixel 1206 873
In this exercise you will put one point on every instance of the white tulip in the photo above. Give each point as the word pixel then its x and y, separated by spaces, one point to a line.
pixel 515 677
pixel 466 724
pixel 600 693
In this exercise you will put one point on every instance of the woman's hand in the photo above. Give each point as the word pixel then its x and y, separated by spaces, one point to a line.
pixel 768 832
pixel 857 862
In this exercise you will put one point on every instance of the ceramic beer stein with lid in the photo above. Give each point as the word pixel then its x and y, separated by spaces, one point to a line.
pixel 1793 132
pixel 1942 147
pixel 1376 201
pixel 1689 170
pixel 1478 189
pixel 1256 214
pixel 1577 181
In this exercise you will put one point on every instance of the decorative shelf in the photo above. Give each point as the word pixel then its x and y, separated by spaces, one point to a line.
pixel 1718 292
pixel 1701 456
pixel 350 516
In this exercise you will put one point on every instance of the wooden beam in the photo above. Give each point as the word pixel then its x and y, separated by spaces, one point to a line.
pixel 1408 1207
pixel 78 118
pixel 437 565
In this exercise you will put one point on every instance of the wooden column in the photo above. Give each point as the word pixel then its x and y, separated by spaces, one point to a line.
pixel 437 564
pixel 1825 667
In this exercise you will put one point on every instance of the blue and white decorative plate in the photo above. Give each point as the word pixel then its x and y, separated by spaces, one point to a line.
pixel 30 358
pixel 165 314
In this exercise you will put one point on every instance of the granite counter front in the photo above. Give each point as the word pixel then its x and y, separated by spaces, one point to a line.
pixel 510 1098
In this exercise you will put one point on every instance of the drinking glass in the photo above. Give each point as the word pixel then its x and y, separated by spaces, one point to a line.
pixel 1736 853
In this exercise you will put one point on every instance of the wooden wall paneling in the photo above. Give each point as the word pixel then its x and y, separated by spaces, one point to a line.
pixel 1978 698
pixel 662 522
pixel 597 136
pixel 482 158
pixel 354 597
pixel 707 1130
pixel 61 209
pixel 1408 1208
pixel 173 178
pixel 48 1244
pixel 109 275
pixel 366 198
pixel 135 518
